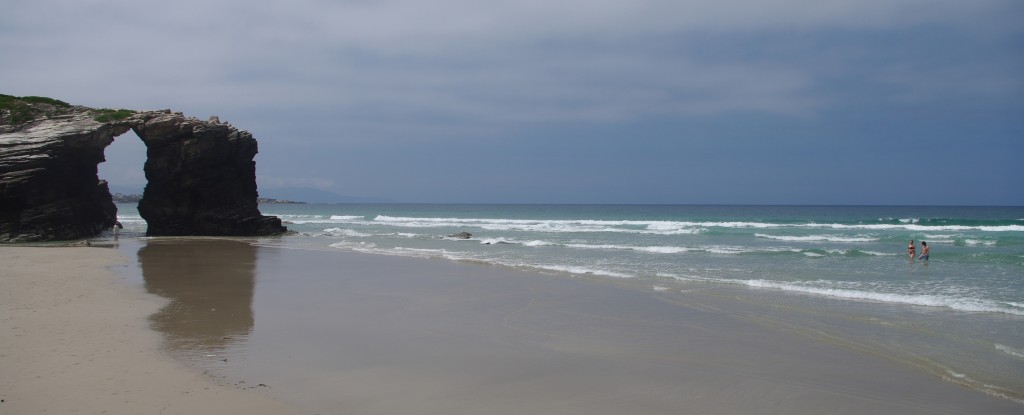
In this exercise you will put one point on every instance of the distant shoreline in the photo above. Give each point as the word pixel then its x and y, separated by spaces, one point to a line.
pixel 269 201
pixel 135 198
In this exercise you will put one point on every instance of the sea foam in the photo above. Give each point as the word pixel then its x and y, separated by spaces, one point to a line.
pixel 584 271
pixel 956 303
pixel 655 227
pixel 340 232
pixel 817 238
pixel 1018 353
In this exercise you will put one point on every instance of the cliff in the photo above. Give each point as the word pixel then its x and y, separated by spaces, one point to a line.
pixel 201 174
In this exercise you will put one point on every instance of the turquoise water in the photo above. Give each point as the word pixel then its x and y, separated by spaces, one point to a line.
pixel 833 271
pixel 849 252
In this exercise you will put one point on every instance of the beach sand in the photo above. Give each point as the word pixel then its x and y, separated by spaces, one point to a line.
pixel 341 332
pixel 76 339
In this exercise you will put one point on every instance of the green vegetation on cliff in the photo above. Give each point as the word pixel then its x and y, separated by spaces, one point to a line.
pixel 15 111
pixel 108 115
pixel 19 110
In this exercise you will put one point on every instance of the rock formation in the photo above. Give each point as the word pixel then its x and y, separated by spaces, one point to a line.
pixel 461 235
pixel 202 177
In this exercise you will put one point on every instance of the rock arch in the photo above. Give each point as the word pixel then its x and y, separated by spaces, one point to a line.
pixel 201 176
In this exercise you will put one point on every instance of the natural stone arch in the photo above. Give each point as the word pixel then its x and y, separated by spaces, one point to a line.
pixel 201 176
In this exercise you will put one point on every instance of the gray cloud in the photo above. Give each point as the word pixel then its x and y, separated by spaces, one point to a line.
pixel 505 61
pixel 320 76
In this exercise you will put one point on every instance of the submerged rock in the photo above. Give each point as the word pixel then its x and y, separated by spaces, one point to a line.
pixel 461 235
pixel 202 177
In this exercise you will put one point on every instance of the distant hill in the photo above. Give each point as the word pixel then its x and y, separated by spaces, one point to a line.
pixel 127 190
pixel 282 194
pixel 268 201
pixel 123 198
pixel 316 196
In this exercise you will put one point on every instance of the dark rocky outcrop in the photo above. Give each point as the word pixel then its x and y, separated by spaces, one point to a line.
pixel 202 177
pixel 461 235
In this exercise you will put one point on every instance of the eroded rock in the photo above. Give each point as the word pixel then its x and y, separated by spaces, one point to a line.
pixel 202 177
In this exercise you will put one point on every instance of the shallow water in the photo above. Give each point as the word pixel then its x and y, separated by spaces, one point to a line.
pixel 977 261
pixel 835 277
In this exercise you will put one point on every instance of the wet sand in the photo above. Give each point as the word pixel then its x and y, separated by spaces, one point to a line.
pixel 74 338
pixel 338 332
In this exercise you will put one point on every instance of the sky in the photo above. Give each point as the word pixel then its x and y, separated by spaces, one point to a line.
pixel 864 102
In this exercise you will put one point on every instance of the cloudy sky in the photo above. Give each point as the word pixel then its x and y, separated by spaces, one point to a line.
pixel 571 101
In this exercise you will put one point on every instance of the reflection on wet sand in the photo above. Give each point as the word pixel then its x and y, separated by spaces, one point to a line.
pixel 210 285
pixel 343 332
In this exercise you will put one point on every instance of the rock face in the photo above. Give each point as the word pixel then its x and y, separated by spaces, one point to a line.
pixel 202 177
pixel 461 235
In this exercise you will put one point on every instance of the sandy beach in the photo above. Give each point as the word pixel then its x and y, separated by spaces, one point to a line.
pixel 312 331
pixel 76 339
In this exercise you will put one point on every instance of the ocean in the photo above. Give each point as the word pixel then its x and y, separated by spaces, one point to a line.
pixel 840 271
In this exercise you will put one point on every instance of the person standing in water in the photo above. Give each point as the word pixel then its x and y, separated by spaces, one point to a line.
pixel 924 251
pixel 911 250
